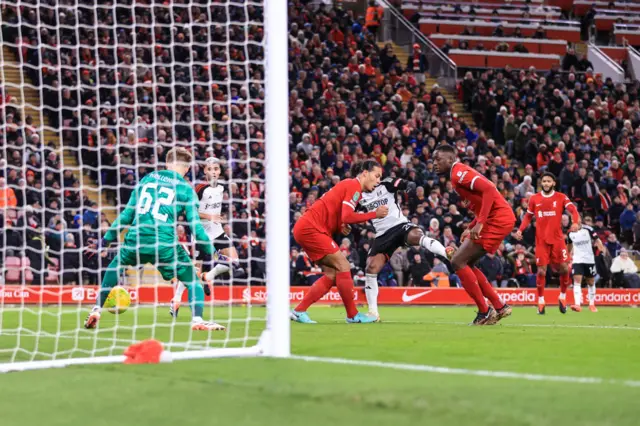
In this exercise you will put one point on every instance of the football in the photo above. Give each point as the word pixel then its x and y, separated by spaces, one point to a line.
pixel 118 300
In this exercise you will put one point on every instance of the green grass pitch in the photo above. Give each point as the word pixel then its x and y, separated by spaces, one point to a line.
pixel 258 391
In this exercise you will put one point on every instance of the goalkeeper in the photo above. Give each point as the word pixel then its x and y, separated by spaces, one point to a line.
pixel 151 215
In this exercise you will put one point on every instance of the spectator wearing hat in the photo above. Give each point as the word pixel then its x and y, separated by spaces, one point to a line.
pixel 417 64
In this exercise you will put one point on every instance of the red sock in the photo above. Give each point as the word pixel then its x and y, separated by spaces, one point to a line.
pixel 344 282
pixel 540 283
pixel 317 290
pixel 470 284
pixel 565 280
pixel 487 289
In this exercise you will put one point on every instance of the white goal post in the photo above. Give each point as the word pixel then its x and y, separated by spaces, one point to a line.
pixel 48 334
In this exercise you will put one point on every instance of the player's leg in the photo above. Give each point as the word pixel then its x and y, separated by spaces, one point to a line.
pixel 344 282
pixel 577 287
pixel 591 288
pixel 560 259
pixel 315 293
pixel 174 305
pixel 225 262
pixel 375 263
pixel 186 273
pixel 542 261
pixel 415 237
pixel 466 255
pixel 110 280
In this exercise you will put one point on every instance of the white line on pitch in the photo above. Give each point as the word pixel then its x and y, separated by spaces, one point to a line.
pixel 469 372
pixel 604 327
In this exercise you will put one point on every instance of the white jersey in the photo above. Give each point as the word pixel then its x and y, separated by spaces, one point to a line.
pixel 384 195
pixel 211 203
pixel 582 242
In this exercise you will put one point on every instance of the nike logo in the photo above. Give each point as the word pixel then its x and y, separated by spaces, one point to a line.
pixel 410 298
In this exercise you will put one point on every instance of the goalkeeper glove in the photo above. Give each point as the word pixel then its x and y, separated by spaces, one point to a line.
pixel 411 187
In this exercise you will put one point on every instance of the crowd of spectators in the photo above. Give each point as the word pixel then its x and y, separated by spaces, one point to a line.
pixel 191 75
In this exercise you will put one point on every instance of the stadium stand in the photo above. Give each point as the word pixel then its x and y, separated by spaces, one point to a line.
pixel 515 114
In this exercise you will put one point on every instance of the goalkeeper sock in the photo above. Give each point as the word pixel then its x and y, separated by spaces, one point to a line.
pixel 196 299
pixel 317 290
pixel 577 293
pixel 180 288
pixel 433 246
pixel 344 282
pixel 217 270
pixel 591 293
pixel 471 286
pixel 487 289
pixel 371 291
pixel 109 281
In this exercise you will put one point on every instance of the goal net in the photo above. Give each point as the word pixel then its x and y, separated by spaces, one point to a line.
pixel 94 95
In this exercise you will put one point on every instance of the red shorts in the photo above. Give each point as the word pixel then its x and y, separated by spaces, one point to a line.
pixel 316 243
pixel 494 232
pixel 551 254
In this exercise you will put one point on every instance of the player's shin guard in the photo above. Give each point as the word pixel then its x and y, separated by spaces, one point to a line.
pixel 577 293
pixel 470 284
pixel 371 291
pixel 317 290
pixel 565 281
pixel 344 282
pixel 487 289
pixel 434 246
pixel 541 282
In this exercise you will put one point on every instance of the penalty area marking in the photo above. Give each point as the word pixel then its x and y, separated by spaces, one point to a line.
pixel 470 372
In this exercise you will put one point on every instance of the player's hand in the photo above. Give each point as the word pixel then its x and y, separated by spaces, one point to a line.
pixel 465 235
pixel 346 229
pixel 382 211
pixel 475 231
pixel 518 235
pixel 575 227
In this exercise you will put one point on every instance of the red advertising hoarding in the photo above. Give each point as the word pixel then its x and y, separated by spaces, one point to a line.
pixel 34 295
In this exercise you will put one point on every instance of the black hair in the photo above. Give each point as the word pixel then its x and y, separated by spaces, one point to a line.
pixel 364 166
pixel 549 174
pixel 446 148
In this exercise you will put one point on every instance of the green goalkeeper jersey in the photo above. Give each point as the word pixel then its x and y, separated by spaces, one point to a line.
pixel 153 210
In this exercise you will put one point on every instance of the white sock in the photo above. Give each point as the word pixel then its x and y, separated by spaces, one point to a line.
pixel 217 270
pixel 180 288
pixel 371 291
pixel 577 293
pixel 541 300
pixel 591 294
pixel 433 246
pixel 197 319
pixel 562 296
pixel 97 309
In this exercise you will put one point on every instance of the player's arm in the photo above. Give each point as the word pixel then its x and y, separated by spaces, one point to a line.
pixel 348 213
pixel 394 185
pixel 124 219
pixel 576 223
pixel 193 219
pixel 526 220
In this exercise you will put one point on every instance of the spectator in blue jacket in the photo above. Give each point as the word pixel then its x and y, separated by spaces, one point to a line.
pixel 627 220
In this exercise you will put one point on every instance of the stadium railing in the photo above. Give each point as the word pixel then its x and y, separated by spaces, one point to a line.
pixel 397 28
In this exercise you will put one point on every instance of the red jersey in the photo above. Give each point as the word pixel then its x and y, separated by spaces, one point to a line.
pixel 548 209
pixel 327 212
pixel 483 196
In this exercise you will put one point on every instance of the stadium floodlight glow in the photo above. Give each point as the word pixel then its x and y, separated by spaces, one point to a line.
pixel 42 326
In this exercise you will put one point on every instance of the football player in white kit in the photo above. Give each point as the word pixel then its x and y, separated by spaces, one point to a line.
pixel 584 263
pixel 210 195
pixel 392 231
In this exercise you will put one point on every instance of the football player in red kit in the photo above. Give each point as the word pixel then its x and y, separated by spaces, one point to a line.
pixel 493 222
pixel 314 231
pixel 547 207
